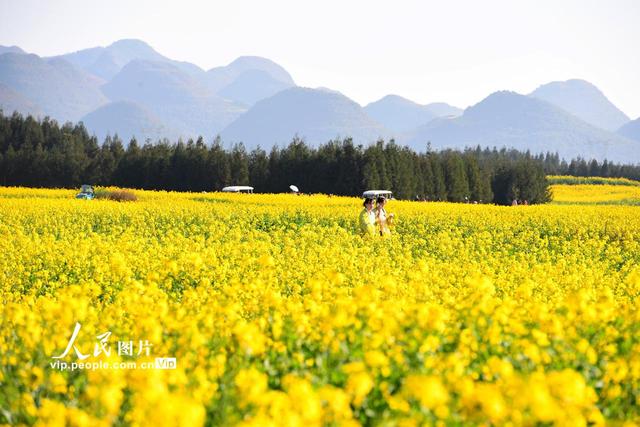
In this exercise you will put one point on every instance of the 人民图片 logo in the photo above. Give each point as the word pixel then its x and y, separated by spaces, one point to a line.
pixel 127 351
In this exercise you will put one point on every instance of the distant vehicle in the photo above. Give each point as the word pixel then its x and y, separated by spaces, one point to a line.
pixel 374 194
pixel 238 189
pixel 86 192
pixel 294 188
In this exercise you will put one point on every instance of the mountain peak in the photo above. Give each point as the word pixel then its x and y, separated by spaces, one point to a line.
pixel 129 49
pixel 11 49
pixel 584 100
pixel 399 114
pixel 129 43
pixel 402 115
pixel 316 115
pixel 244 63
pixel 576 83
pixel 395 98
pixel 251 60
pixel 501 103
pixel 243 74
pixel 501 96
pixel 106 62
pixel 54 86
pixel 508 119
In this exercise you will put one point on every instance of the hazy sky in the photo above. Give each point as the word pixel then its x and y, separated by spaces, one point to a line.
pixel 452 51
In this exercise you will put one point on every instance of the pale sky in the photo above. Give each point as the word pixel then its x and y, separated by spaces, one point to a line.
pixel 428 51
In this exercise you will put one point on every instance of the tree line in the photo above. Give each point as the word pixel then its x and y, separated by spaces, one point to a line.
pixel 43 153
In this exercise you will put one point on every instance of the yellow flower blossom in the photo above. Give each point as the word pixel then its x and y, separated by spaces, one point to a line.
pixel 277 312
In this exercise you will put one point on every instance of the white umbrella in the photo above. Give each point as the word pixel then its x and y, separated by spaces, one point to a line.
pixel 294 188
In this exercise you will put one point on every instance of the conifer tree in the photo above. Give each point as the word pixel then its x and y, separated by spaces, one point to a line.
pixel 259 170
pixel 239 163
pixel 455 178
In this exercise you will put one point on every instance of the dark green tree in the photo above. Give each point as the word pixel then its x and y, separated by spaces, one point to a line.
pixel 455 177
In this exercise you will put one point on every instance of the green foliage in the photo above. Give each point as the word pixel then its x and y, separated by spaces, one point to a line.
pixel 455 177
pixel 523 182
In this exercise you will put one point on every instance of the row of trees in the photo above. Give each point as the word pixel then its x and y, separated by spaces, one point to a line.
pixel 582 167
pixel 46 154
pixel 554 165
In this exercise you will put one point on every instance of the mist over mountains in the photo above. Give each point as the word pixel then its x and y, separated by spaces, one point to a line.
pixel 129 89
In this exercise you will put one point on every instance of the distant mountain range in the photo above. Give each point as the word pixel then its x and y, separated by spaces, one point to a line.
pixel 11 101
pixel 317 115
pixel 583 100
pixel 631 130
pixel 179 99
pixel 10 49
pixel 106 62
pixel 54 86
pixel 217 79
pixel 402 115
pixel 130 119
pixel 525 123
pixel 130 89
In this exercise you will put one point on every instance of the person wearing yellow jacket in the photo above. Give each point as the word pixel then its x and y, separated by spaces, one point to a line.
pixel 383 220
pixel 367 219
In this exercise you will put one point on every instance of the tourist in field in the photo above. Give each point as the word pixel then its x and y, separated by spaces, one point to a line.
pixel 368 218
pixel 382 219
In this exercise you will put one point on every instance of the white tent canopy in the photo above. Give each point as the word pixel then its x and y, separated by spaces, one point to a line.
pixel 238 189
pixel 372 194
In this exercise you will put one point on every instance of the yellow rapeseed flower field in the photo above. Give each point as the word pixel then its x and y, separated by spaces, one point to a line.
pixel 277 312
pixel 596 194
pixel 594 190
